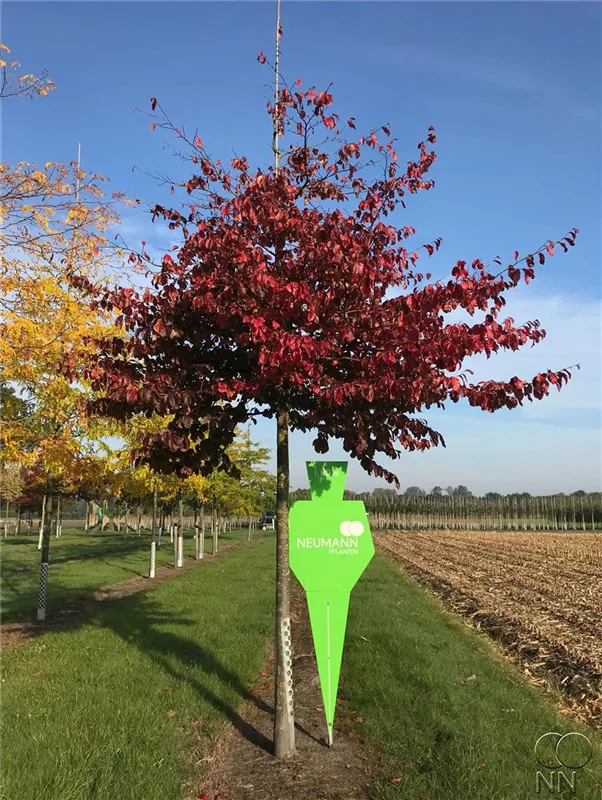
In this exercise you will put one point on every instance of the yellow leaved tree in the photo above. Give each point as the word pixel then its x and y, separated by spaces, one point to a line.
pixel 54 220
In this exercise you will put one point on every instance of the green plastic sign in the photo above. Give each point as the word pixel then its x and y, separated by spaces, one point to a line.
pixel 330 546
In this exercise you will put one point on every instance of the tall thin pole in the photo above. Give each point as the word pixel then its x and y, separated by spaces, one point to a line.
pixel 284 718
pixel 153 553
pixel 79 161
pixel 276 128
pixel 77 187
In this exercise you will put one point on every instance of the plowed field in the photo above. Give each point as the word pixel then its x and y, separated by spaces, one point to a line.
pixel 538 594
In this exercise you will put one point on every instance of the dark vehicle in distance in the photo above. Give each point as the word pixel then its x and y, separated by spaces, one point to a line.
pixel 267 521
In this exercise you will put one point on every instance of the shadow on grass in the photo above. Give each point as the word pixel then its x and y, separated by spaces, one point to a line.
pixel 20 586
pixel 89 547
pixel 21 606
pixel 139 622
pixel 23 539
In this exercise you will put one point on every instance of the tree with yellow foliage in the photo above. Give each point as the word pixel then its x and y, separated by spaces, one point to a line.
pixel 53 220
pixel 11 484
pixel 26 85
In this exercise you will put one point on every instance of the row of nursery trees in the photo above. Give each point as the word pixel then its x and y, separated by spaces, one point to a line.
pixel 123 496
pixel 288 295
pixel 458 509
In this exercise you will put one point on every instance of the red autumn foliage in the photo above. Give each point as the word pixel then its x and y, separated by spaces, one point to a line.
pixel 279 298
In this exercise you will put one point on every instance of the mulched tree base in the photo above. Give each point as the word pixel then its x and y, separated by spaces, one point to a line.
pixel 243 766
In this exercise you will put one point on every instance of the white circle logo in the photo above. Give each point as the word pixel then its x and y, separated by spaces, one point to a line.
pixel 573 750
pixel 348 528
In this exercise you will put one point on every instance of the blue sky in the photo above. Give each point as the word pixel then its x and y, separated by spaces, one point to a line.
pixel 514 92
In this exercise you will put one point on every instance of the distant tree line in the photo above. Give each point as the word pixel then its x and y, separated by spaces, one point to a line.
pixel 457 508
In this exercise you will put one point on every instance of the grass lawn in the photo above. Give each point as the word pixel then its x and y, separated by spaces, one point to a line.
pixel 103 712
pixel 125 706
pixel 450 737
pixel 81 564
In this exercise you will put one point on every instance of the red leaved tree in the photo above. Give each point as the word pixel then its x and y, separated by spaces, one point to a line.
pixel 279 304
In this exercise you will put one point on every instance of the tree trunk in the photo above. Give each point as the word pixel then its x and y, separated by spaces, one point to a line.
pixel 202 533
pixel 214 531
pixel 42 520
pixel 151 572
pixel 197 537
pixel 46 532
pixel 284 722
pixel 58 525
pixel 6 520
pixel 139 520
pixel 18 525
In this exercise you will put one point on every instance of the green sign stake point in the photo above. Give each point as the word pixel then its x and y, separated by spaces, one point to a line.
pixel 330 547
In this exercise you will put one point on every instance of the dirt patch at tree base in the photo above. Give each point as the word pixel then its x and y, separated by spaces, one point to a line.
pixel 242 765
pixel 19 631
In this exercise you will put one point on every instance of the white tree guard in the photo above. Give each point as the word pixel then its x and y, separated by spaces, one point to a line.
pixel 151 573
pixel 180 550
pixel 197 542
pixel 285 638
pixel 41 612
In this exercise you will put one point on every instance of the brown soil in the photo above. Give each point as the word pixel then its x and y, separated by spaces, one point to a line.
pixel 243 767
pixel 13 633
pixel 541 653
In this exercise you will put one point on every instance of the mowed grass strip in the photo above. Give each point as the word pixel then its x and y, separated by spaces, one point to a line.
pixel 82 564
pixel 447 717
pixel 123 706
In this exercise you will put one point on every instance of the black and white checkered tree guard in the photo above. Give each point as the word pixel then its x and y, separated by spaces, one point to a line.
pixel 41 612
